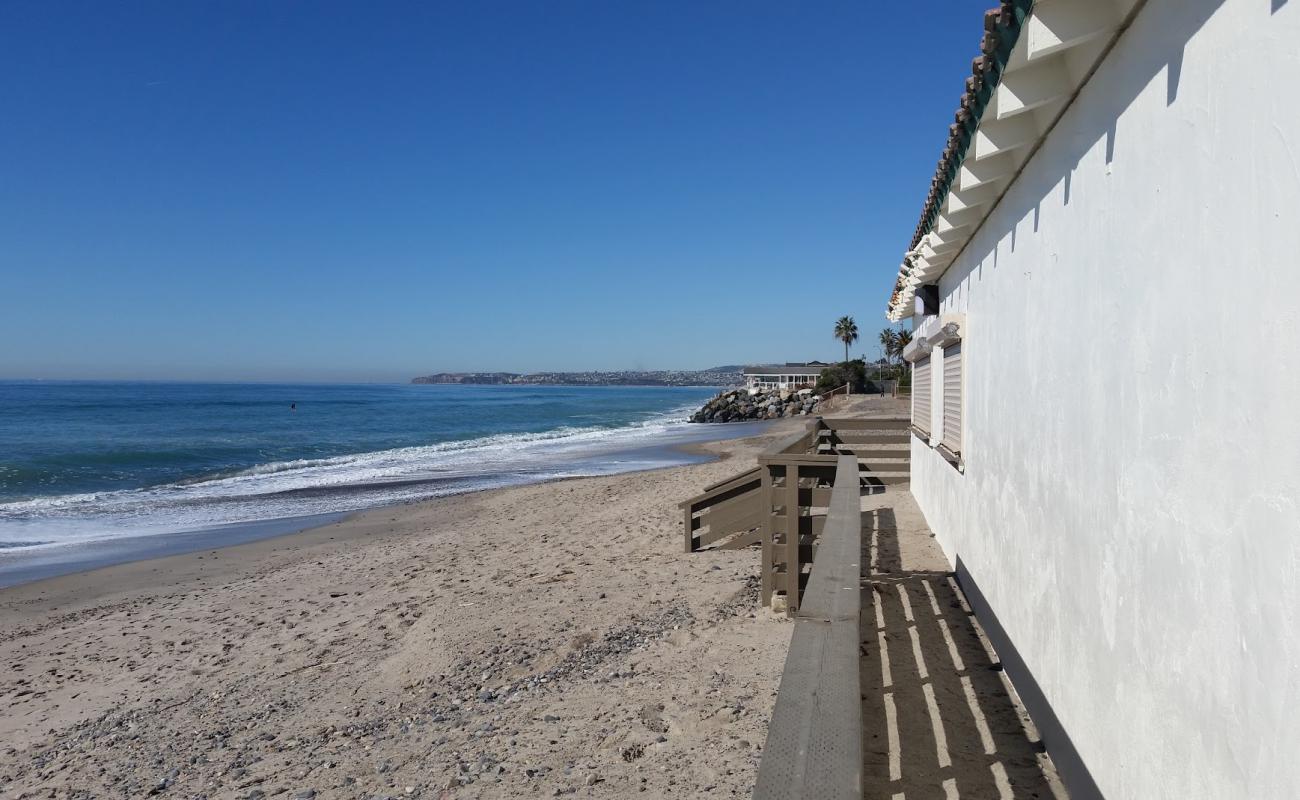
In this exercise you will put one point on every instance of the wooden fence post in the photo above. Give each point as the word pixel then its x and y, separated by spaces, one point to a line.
pixel 792 566
pixel 765 497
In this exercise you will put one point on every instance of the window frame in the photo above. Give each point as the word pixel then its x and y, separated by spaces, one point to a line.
pixel 944 332
pixel 954 455
pixel 923 433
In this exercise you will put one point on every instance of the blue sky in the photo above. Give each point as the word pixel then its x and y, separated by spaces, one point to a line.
pixel 371 191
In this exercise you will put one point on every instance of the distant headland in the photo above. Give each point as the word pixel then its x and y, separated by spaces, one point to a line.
pixel 717 376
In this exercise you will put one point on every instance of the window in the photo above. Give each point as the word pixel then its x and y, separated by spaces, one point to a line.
pixel 938 346
pixel 952 397
pixel 921 394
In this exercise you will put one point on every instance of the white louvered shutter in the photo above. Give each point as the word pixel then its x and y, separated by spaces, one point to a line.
pixel 921 393
pixel 952 385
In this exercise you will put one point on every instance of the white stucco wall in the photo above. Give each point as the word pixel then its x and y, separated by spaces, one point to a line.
pixel 1132 435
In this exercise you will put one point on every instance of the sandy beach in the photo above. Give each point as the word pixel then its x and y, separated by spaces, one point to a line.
pixel 534 641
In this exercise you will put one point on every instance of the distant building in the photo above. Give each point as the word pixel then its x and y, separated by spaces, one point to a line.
pixel 783 376
pixel 1103 293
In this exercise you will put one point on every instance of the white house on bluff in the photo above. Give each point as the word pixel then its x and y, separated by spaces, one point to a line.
pixel 1105 295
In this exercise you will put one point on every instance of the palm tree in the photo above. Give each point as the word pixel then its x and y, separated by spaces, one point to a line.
pixel 889 344
pixel 901 340
pixel 846 330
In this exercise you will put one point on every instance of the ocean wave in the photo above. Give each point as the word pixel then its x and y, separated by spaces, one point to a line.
pixel 323 485
pixel 420 456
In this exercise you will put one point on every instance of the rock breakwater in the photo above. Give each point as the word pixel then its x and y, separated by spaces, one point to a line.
pixel 738 405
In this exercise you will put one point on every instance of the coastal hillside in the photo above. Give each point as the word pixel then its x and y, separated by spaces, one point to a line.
pixel 717 376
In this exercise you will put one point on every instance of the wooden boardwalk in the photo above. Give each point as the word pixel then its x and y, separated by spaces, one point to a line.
pixel 940 719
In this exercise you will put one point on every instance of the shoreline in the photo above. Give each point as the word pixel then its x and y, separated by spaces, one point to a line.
pixel 22 566
pixel 502 643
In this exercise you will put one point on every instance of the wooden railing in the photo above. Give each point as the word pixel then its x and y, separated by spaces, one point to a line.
pixel 831 399
pixel 781 504
pixel 729 514
pixel 803 504
pixel 797 475
pixel 814 740
pixel 729 508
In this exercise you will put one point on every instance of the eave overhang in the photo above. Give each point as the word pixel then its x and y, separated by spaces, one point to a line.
pixel 1034 58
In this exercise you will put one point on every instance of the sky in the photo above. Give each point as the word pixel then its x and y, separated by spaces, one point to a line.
pixel 372 191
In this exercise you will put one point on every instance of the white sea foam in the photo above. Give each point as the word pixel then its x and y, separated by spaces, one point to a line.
pixel 343 483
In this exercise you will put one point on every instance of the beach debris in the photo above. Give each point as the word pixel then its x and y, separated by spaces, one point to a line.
pixel 632 752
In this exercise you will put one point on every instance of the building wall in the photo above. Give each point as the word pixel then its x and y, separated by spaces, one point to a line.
pixel 1128 509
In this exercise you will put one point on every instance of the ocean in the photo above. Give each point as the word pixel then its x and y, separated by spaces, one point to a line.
pixel 88 463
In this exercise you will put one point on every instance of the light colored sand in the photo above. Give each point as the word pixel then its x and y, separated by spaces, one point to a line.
pixel 526 641
pixel 866 405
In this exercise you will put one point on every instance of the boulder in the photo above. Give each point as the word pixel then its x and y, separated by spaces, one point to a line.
pixel 739 405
